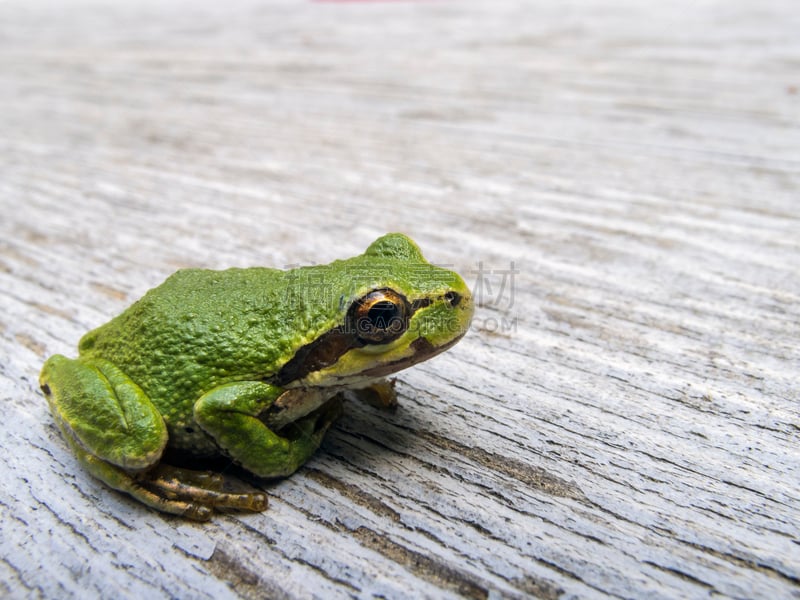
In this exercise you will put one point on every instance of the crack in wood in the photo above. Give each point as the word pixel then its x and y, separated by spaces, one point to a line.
pixel 243 581
pixel 746 563
pixel 353 493
pixel 528 474
pixel 423 566
pixel 681 574
pixel 537 587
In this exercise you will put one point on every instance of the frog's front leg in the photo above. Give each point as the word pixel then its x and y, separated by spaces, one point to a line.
pixel 117 433
pixel 232 414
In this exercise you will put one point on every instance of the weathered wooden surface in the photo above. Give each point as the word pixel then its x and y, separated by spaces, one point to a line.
pixel 625 425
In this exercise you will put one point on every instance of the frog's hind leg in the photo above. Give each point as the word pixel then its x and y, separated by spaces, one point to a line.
pixel 190 494
pixel 118 434
pixel 110 424
pixel 100 410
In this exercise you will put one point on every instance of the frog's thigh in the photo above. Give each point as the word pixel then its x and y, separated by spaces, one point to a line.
pixel 110 425
pixel 102 411
pixel 229 414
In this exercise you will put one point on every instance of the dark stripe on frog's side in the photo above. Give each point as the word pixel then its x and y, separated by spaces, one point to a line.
pixel 319 354
pixel 421 303
pixel 327 349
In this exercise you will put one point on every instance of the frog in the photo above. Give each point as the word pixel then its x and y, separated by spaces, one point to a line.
pixel 250 366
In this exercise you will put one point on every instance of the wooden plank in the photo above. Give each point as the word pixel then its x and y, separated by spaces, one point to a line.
pixel 622 421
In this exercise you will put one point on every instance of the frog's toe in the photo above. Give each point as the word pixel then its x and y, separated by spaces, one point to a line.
pixel 380 394
pixel 202 490
pixel 184 508
pixel 124 481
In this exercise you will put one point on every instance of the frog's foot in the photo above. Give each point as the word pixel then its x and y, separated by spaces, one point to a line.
pixel 380 394
pixel 197 493
pixel 191 494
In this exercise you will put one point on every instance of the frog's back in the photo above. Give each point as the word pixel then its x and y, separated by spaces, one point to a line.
pixel 195 331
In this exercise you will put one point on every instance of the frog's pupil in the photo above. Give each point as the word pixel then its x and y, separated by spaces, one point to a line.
pixel 382 314
pixel 379 317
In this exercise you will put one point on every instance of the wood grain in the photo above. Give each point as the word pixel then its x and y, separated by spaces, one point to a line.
pixel 622 421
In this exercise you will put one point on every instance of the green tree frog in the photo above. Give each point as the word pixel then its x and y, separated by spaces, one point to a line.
pixel 248 364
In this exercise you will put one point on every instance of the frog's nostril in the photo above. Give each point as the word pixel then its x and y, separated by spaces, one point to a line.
pixel 452 299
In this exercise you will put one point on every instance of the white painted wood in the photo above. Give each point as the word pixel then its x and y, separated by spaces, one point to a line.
pixel 627 426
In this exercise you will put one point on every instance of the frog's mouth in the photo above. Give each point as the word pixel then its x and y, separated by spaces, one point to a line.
pixel 421 348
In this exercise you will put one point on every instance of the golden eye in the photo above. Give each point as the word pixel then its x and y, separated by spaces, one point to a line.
pixel 380 317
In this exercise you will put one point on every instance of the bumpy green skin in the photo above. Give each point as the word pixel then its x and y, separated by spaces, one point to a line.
pixel 223 336
pixel 201 329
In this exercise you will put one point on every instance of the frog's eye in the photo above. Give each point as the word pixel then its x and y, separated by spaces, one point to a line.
pixel 380 317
